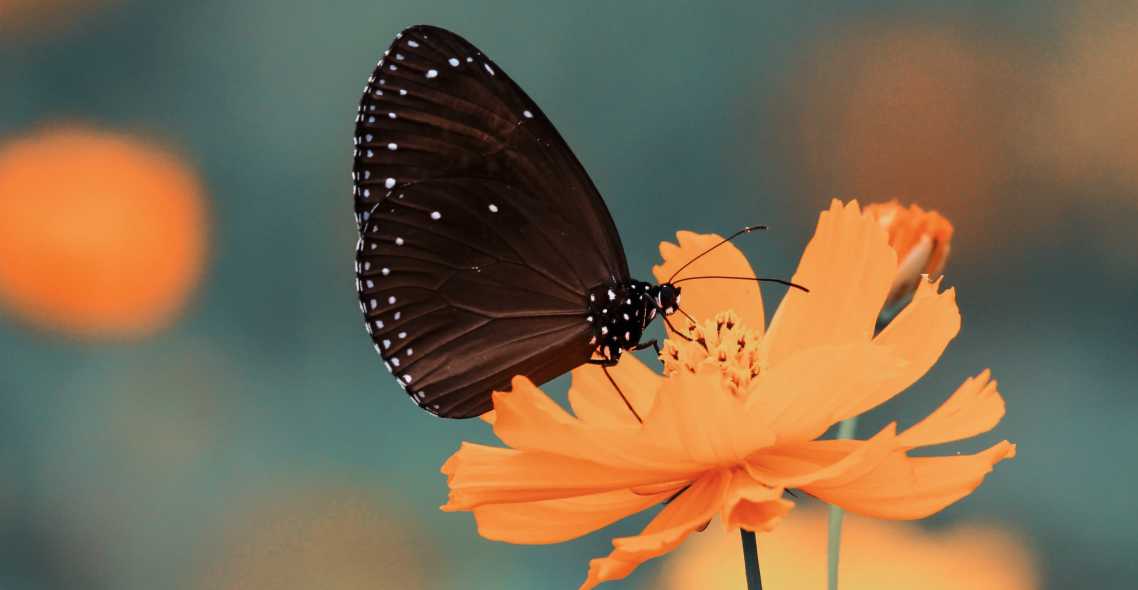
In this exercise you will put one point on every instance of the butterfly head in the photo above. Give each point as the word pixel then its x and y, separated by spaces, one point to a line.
pixel 667 297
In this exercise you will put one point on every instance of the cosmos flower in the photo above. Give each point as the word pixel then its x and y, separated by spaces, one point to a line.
pixel 922 240
pixel 736 417
pixel 110 245
pixel 971 556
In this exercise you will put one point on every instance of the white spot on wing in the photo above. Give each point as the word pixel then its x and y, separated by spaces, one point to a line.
pixel 527 114
pixel 432 73
pixel 393 146
pixel 385 271
pixel 453 61
pixel 493 208
pixel 489 70
pixel 412 43
pixel 436 215
pixel 398 241
pixel 391 300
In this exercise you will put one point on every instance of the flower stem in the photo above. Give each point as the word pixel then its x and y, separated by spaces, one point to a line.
pixel 834 541
pixel 751 560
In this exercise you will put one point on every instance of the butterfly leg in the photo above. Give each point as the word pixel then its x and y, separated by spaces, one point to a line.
pixel 605 368
pixel 653 343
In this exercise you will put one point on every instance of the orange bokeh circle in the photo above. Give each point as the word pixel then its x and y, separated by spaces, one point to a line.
pixel 101 234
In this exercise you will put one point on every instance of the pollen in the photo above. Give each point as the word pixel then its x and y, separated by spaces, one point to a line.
pixel 723 342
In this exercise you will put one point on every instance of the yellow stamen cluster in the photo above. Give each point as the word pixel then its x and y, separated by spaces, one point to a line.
pixel 723 342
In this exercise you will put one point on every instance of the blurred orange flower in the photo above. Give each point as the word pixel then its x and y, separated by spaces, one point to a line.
pixel 922 240
pixel 331 538
pixel 100 234
pixel 875 555
pixel 735 419
pixel 42 14
pixel 1086 127
pixel 906 109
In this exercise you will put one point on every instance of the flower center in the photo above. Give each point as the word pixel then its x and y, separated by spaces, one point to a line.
pixel 723 342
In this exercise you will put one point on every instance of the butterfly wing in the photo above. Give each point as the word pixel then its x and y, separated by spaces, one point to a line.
pixel 480 233
pixel 436 107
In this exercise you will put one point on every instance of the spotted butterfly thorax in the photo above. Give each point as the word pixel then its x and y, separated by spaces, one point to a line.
pixel 484 250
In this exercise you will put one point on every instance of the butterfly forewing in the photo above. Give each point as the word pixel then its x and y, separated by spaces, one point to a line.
pixel 480 233
pixel 437 107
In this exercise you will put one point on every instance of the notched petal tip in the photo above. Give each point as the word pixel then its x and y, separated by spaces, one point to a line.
pixel 703 298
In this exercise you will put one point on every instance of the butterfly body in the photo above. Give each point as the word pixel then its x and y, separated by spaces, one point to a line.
pixel 620 312
pixel 485 251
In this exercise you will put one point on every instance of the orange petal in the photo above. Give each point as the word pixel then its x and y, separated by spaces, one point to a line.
pixel 752 505
pixel 974 408
pixel 699 424
pixel 480 475
pixel 688 512
pixel 919 335
pixel 528 420
pixel 594 400
pixel 704 298
pixel 554 521
pixel 803 396
pixel 903 487
pixel 848 267
pixel 833 461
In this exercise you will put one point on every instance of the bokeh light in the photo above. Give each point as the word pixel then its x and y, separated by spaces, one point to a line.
pixel 328 537
pixel 877 555
pixel 40 15
pixel 1087 124
pixel 902 110
pixel 102 234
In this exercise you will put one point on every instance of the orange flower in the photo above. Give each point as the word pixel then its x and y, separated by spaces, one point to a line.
pixel 40 15
pixel 964 557
pixel 735 419
pixel 330 537
pixel 100 234
pixel 922 240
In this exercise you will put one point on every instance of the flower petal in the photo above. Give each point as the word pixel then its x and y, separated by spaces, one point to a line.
pixel 688 512
pixel 554 521
pixel 833 461
pixel 848 267
pixel 903 487
pixel 974 408
pixel 704 298
pixel 528 420
pixel 701 424
pixel 479 475
pixel 919 335
pixel 804 395
pixel 752 505
pixel 594 400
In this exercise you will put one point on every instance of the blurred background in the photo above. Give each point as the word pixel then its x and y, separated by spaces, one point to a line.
pixel 188 399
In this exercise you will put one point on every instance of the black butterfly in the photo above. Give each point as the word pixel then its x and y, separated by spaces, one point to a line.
pixel 485 251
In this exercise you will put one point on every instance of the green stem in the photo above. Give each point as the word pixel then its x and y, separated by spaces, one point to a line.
pixel 751 560
pixel 834 541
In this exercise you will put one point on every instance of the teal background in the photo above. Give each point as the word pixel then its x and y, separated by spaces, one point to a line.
pixel 268 384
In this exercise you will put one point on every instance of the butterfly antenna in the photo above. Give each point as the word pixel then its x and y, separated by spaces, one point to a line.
pixel 745 230
pixel 756 279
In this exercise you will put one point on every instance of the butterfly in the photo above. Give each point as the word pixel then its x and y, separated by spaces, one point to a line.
pixel 485 251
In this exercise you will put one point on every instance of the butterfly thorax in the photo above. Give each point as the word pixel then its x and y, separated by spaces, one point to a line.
pixel 620 312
